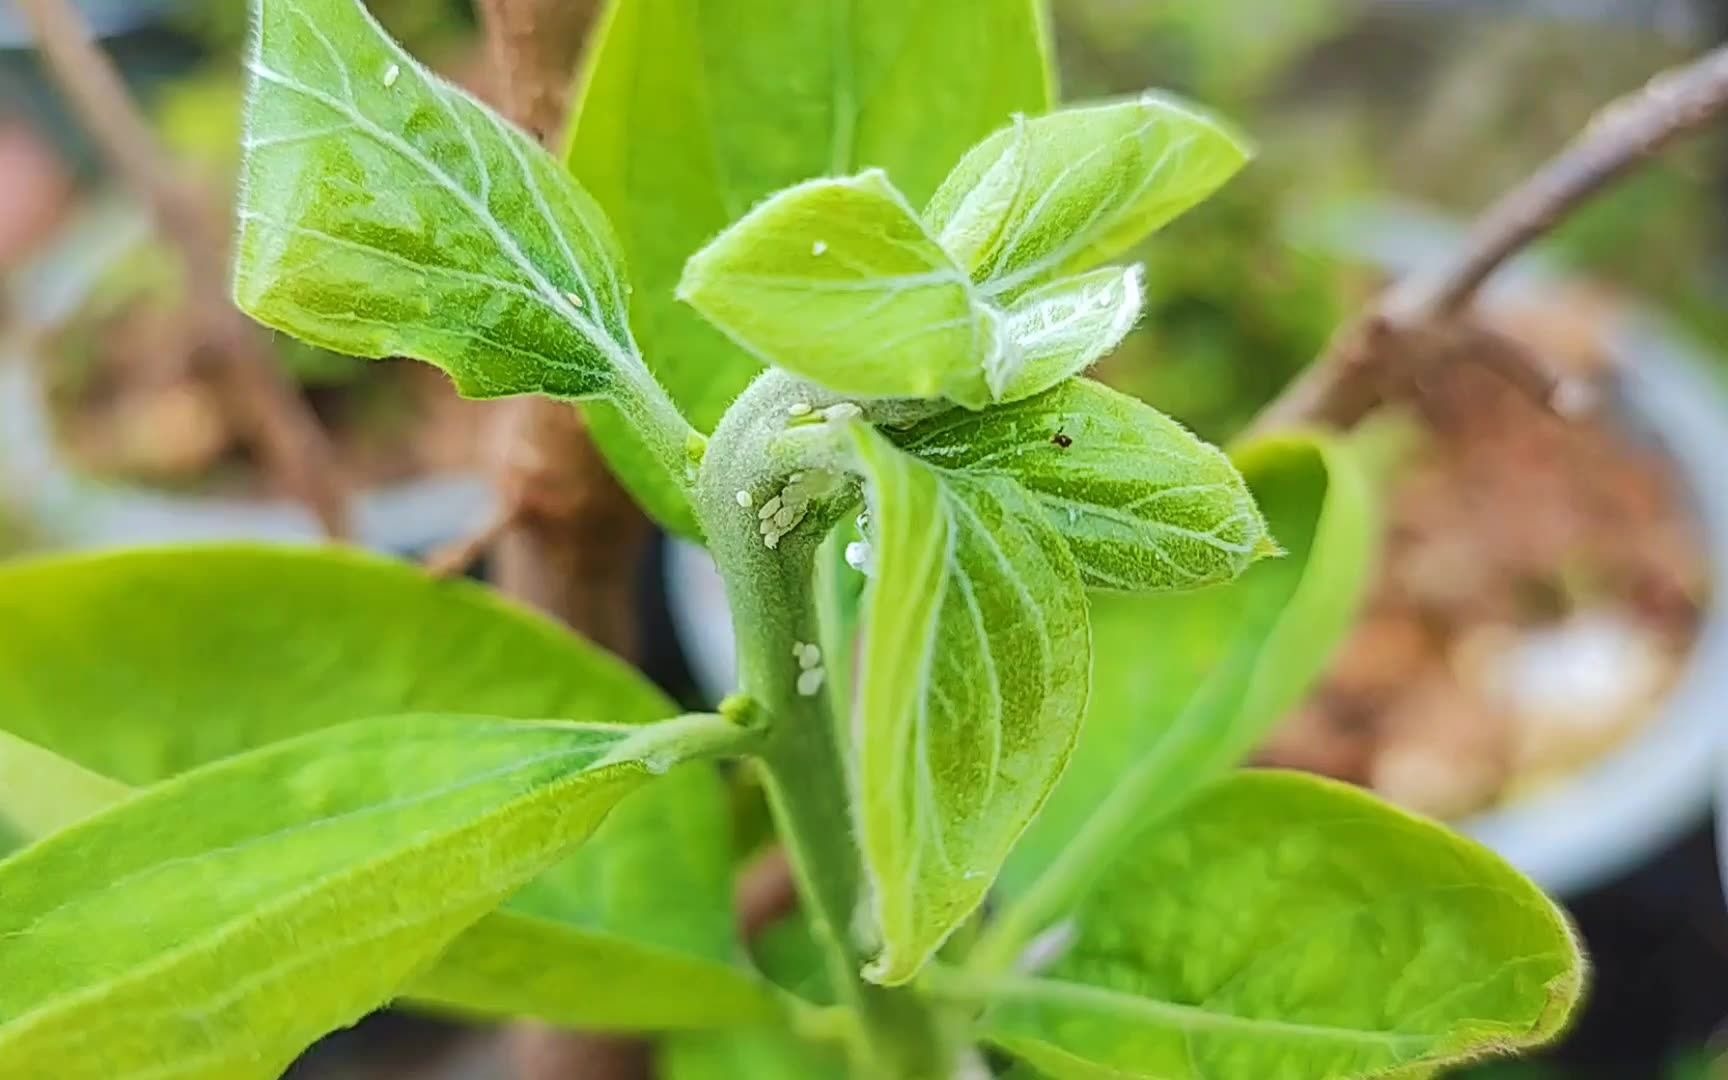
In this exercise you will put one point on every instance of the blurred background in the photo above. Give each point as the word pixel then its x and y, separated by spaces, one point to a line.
pixel 1542 662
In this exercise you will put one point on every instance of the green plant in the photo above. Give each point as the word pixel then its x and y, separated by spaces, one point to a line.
pixel 350 790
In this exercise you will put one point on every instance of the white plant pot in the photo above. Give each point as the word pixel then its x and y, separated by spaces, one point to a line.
pixel 1631 804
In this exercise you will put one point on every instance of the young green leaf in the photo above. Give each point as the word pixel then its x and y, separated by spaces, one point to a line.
pixel 971 681
pixel 1059 194
pixel 1184 685
pixel 1143 504
pixel 692 111
pixel 386 213
pixel 1061 329
pixel 219 922
pixel 1284 925
pixel 837 281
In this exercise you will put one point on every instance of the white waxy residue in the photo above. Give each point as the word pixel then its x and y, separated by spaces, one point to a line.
pixel 858 556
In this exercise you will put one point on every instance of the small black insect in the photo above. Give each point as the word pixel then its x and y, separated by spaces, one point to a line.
pixel 1061 439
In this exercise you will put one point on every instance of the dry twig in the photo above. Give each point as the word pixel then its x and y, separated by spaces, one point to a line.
pixel 1419 321
pixel 577 540
pixel 284 431
pixel 572 540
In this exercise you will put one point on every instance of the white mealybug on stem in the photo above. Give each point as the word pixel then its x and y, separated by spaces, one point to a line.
pixel 744 499
pixel 858 556
pixel 782 513
pixel 798 408
pixel 841 411
pixel 810 682
pixel 391 74
pixel 575 301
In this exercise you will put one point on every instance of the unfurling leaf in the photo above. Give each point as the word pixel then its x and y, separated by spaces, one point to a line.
pixel 1184 685
pixel 837 281
pixel 685 122
pixel 1059 194
pixel 971 682
pixel 1284 925
pixel 218 923
pixel 1142 504
pixel 1061 329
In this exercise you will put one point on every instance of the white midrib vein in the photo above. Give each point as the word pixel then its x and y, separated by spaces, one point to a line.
pixel 625 362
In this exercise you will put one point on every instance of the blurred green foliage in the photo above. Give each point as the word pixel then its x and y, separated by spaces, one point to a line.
pixel 1233 311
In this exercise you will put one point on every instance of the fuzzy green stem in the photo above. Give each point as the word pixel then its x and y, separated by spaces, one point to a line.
pixel 773 609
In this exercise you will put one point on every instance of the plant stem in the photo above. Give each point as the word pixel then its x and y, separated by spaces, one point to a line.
pixel 806 782
pixel 241 361
pixel 773 608
pixel 572 540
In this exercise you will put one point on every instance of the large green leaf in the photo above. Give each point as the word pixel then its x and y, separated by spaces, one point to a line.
pixel 632 933
pixel 759 1054
pixel 1059 194
pixel 837 281
pixel 971 681
pixel 142 664
pixel 387 213
pixel 1143 504
pixel 510 965
pixel 219 922
pixel 1284 927
pixel 42 792
pixel 693 110
pixel 1184 685
pixel 208 652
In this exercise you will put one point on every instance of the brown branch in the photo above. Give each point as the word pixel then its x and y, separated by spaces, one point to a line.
pixel 574 542
pixel 575 547
pixel 457 558
pixel 238 353
pixel 1397 337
